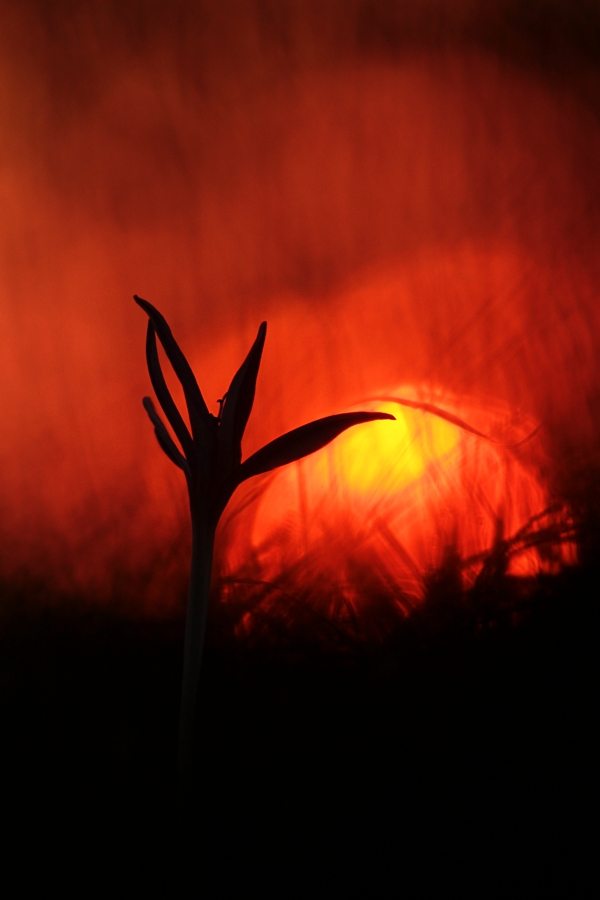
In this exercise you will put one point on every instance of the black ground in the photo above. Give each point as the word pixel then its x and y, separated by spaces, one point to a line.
pixel 454 749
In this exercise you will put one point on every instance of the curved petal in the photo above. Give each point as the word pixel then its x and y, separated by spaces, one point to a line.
pixel 162 392
pixel 164 438
pixel 200 418
pixel 303 441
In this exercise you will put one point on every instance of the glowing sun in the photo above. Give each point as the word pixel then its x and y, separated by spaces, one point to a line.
pixel 382 508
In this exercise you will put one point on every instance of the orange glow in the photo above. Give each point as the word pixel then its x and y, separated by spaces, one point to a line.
pixel 383 506
pixel 402 211
pixel 403 450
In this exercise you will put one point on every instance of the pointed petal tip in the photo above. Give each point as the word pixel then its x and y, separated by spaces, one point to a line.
pixel 155 317
pixel 147 307
pixel 372 416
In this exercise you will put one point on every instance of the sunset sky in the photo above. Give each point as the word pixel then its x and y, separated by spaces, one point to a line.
pixel 407 192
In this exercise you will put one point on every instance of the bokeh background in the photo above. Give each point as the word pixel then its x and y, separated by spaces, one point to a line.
pixel 407 192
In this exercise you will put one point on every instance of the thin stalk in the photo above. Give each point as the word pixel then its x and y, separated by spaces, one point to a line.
pixel 203 539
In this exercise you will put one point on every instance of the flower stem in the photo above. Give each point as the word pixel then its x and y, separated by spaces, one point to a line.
pixel 203 538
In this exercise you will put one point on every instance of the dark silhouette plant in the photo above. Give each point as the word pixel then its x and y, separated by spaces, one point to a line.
pixel 211 459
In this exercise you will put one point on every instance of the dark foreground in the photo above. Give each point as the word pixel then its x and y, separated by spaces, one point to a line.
pixel 465 753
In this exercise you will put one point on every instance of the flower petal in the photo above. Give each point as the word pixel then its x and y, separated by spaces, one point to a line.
pixel 238 405
pixel 200 418
pixel 164 438
pixel 303 441
pixel 164 397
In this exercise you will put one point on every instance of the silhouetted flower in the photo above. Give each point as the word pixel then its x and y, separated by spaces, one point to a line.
pixel 212 453
pixel 211 458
